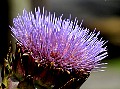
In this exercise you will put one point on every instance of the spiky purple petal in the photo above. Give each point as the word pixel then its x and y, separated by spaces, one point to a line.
pixel 58 40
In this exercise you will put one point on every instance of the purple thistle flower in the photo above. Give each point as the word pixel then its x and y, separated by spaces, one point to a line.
pixel 61 41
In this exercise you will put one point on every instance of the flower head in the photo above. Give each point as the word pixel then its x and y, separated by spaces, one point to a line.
pixel 60 48
pixel 60 41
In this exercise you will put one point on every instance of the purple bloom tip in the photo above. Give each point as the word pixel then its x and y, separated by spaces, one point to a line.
pixel 62 41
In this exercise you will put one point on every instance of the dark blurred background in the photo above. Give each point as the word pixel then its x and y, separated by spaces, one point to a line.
pixel 104 15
